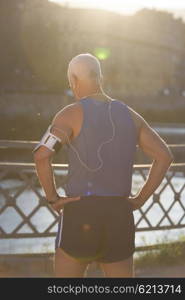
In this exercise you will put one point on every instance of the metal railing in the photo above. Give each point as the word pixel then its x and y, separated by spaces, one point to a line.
pixel 24 211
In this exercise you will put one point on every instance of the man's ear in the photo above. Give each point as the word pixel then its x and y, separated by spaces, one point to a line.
pixel 74 80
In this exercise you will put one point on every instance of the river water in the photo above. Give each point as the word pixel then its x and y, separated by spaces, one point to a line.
pixel 41 220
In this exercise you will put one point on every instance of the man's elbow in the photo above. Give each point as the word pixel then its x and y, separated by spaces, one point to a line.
pixel 167 157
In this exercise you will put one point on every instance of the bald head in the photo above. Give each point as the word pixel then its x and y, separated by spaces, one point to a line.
pixel 85 67
pixel 84 75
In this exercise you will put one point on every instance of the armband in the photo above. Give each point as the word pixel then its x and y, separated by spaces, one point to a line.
pixel 50 141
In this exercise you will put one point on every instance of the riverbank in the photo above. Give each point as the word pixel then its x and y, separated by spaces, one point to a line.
pixel 41 265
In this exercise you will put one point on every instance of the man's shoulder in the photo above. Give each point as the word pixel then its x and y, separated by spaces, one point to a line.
pixel 68 111
pixel 136 116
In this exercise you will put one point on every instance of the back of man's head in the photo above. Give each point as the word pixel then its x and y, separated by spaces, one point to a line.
pixel 85 67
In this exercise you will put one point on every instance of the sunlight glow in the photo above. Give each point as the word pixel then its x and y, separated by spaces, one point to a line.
pixel 124 6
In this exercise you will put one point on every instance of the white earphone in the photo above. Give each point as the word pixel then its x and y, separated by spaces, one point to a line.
pixel 100 146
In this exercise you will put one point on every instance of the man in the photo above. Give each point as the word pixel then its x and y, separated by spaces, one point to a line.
pixel 101 134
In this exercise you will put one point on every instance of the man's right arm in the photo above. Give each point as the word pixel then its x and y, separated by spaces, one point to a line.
pixel 154 147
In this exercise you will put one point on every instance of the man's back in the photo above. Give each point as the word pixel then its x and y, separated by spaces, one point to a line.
pixel 101 155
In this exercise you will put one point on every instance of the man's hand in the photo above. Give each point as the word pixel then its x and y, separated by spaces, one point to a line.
pixel 136 202
pixel 59 205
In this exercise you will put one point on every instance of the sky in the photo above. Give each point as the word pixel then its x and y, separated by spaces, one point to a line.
pixel 129 6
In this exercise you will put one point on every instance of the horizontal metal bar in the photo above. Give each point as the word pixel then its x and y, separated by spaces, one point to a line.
pixel 153 228
pixel 64 166
pixel 30 165
pixel 20 144
pixel 16 144
pixel 26 235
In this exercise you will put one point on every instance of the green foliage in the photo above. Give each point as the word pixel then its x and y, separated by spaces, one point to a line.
pixel 168 254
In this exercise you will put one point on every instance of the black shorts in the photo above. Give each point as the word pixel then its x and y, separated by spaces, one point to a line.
pixel 97 228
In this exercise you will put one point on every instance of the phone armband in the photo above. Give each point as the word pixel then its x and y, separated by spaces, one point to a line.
pixel 50 141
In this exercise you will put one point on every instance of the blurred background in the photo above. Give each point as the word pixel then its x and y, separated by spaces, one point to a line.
pixel 142 53
pixel 141 47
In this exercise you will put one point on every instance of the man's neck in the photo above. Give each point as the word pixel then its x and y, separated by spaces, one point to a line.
pixel 85 93
pixel 99 96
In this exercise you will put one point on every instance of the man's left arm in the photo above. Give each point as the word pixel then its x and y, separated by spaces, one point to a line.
pixel 43 156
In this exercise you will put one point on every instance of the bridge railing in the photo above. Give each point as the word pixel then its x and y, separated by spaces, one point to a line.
pixel 24 212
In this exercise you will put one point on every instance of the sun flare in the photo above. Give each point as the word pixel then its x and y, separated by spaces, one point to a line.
pixel 124 6
pixel 127 7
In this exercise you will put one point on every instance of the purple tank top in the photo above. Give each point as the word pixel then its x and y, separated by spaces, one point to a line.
pixel 115 176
